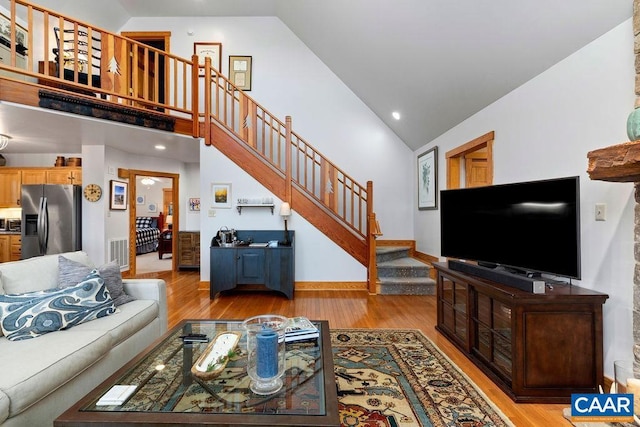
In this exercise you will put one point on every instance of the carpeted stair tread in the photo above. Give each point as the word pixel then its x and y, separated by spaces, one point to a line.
pixel 414 280
pixel 399 274
pixel 388 253
pixel 407 288
pixel 403 262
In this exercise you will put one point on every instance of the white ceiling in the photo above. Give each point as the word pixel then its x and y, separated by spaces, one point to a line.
pixel 437 62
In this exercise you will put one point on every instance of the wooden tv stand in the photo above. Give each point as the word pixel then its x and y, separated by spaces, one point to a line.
pixel 535 347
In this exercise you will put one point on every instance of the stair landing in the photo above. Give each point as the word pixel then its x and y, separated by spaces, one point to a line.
pixel 399 274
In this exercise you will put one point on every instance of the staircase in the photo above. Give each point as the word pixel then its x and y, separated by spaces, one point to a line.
pixel 199 101
pixel 399 274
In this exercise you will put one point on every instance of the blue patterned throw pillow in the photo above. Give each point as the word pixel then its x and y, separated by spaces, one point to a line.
pixel 29 315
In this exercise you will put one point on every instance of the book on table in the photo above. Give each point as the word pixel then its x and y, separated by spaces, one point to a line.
pixel 300 328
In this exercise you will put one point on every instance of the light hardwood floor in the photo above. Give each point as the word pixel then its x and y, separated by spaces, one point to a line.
pixel 346 309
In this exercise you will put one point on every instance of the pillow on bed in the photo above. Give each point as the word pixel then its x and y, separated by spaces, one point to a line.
pixel 143 222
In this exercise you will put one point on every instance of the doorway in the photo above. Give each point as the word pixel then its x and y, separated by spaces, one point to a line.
pixel 167 185
pixel 151 68
pixel 471 164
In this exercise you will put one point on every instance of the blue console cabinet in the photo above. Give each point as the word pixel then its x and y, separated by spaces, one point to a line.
pixel 245 267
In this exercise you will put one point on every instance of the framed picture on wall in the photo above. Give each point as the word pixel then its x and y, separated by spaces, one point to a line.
pixel 221 195
pixel 428 179
pixel 208 50
pixel 240 72
pixel 194 204
pixel 119 195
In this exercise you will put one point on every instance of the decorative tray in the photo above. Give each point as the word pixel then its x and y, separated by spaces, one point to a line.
pixel 214 358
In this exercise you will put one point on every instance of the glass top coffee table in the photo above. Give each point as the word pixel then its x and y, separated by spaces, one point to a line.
pixel 167 393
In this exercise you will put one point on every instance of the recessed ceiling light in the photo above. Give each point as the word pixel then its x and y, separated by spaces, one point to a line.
pixel 160 147
pixel 396 115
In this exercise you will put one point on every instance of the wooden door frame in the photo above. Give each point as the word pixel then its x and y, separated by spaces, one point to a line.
pixel 133 174
pixel 150 36
pixel 454 158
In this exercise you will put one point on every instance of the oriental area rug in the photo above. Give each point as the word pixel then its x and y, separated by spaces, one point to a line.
pixel 389 378
pixel 383 378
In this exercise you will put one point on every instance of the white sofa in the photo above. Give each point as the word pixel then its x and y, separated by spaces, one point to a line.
pixel 42 377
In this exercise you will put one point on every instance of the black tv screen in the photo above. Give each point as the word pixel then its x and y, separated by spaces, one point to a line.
pixel 529 226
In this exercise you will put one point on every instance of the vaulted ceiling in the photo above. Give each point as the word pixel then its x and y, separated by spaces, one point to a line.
pixel 435 62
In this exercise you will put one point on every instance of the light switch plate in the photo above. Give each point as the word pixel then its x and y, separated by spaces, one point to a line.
pixel 601 212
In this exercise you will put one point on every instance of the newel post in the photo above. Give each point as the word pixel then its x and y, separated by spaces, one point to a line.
pixel 372 268
pixel 287 160
pixel 195 97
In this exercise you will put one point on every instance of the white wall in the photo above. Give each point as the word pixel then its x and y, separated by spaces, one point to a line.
pixel 317 258
pixel 290 80
pixel 190 220
pixel 152 195
pixel 544 129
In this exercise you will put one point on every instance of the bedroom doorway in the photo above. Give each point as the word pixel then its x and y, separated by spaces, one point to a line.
pixel 152 198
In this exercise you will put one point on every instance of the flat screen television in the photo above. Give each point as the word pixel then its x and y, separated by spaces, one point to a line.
pixel 530 227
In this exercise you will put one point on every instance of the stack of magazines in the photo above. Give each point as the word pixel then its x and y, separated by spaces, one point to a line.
pixel 300 329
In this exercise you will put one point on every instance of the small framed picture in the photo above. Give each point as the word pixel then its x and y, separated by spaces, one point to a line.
pixel 208 50
pixel 152 207
pixel 240 72
pixel 194 204
pixel 221 195
pixel 140 200
pixel 119 195
pixel 428 179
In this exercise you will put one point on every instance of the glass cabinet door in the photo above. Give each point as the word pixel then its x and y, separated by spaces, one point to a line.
pixel 492 323
pixel 453 301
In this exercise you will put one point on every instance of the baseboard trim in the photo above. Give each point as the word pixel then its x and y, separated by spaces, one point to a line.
pixel 426 257
pixel 331 286
pixel 312 286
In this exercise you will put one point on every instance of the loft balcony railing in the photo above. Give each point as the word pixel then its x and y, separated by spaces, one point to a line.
pixel 49 49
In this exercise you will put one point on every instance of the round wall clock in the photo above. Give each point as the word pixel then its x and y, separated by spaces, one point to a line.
pixel 92 192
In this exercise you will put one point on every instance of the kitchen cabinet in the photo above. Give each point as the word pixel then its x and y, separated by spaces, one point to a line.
pixel 5 248
pixel 9 247
pixel 15 243
pixel 10 180
pixel 188 249
pixel 34 176
pixel 536 347
pixel 250 267
pixel 64 175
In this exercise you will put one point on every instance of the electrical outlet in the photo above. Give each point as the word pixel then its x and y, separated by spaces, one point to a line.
pixel 601 212
pixel 212 212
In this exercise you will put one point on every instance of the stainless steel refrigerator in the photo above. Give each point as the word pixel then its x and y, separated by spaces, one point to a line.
pixel 51 219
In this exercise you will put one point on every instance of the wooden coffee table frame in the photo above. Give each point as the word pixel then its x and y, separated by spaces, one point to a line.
pixel 75 417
